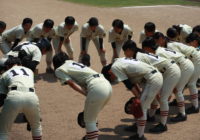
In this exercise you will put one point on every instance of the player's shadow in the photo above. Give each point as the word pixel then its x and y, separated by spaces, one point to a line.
pixel 51 78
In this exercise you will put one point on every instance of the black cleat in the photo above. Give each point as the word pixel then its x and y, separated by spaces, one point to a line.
pixel 159 128
pixel 151 119
pixel 192 110
pixel 173 103
pixel 179 118
pixel 49 70
pixel 136 137
pixel 131 128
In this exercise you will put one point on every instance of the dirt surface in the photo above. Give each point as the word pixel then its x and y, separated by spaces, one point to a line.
pixel 60 104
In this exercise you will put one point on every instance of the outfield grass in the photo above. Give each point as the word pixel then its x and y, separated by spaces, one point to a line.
pixel 122 3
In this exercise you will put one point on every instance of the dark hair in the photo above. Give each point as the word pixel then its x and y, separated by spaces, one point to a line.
pixel 27 20
pixel 157 35
pixel 118 23
pixel 93 21
pixel 11 61
pixel 105 72
pixel 149 42
pixel 196 29
pixel 69 20
pixel 86 59
pixel 48 23
pixel 59 59
pixel 2 24
pixel 44 44
pixel 172 33
pixel 191 37
pixel 178 28
pixel 129 44
pixel 150 27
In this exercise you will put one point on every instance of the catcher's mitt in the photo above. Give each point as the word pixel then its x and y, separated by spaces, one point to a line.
pixel 133 106
pixel 80 120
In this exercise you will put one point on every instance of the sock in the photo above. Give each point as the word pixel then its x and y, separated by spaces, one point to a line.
pixel 194 98
pixel 141 126
pixel 152 111
pixel 181 107
pixel 164 115
pixel 92 135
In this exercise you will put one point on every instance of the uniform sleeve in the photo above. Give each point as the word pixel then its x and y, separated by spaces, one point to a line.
pixel 36 32
pixel 20 34
pixel 111 36
pixel 59 31
pixel 83 32
pixel 121 76
pixel 102 32
pixel 37 55
pixel 130 31
pixel 52 33
pixel 76 27
pixel 62 76
pixel 142 37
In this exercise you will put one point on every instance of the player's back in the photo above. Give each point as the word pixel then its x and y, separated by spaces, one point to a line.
pixel 18 76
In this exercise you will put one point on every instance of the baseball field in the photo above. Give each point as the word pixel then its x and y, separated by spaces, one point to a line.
pixel 60 104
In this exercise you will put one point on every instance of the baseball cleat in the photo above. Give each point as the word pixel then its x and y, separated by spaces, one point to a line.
pixel 49 70
pixel 151 119
pixel 136 137
pixel 173 103
pixel 179 118
pixel 192 110
pixel 131 128
pixel 159 128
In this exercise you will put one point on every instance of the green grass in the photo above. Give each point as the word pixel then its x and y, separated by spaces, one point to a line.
pixel 122 3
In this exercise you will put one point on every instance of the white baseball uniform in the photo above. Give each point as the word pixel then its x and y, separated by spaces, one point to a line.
pixel 185 31
pixel 171 75
pixel 30 48
pixel 62 31
pixel 87 33
pixel 37 32
pixel 187 69
pixel 21 98
pixel 119 39
pixel 9 36
pixel 137 71
pixel 194 55
pixel 98 89
pixel 143 36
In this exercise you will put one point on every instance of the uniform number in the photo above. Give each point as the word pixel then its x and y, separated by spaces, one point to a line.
pixel 78 64
pixel 155 56
pixel 170 50
pixel 19 72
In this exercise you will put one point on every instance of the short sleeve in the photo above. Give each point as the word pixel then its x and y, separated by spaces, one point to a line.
pixel 62 76
pixel 20 34
pixel 121 76
pixel 84 32
pixel 111 37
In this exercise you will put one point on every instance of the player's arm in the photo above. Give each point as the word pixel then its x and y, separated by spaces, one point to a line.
pixel 83 45
pixel 76 87
pixel 60 43
pixel 132 87
pixel 101 45
pixel 113 44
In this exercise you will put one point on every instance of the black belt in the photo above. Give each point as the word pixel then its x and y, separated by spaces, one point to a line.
pixel 154 71
pixel 96 75
pixel 15 88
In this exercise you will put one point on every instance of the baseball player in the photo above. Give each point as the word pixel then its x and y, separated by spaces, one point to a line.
pixel 186 67
pixel 132 72
pixel 194 55
pixel 118 34
pixel 17 82
pixel 2 29
pixel 94 31
pixel 149 30
pixel 12 37
pixel 44 30
pixel 183 31
pixel 30 53
pixel 63 33
pixel 87 82
pixel 171 75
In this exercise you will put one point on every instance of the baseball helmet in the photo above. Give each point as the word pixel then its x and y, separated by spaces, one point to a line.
pixel 59 59
pixel 44 44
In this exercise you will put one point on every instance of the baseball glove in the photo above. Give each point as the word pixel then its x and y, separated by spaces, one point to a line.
pixel 80 120
pixel 133 106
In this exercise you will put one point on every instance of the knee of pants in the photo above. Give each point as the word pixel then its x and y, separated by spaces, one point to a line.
pixel 3 136
pixel 91 126
pixel 179 97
